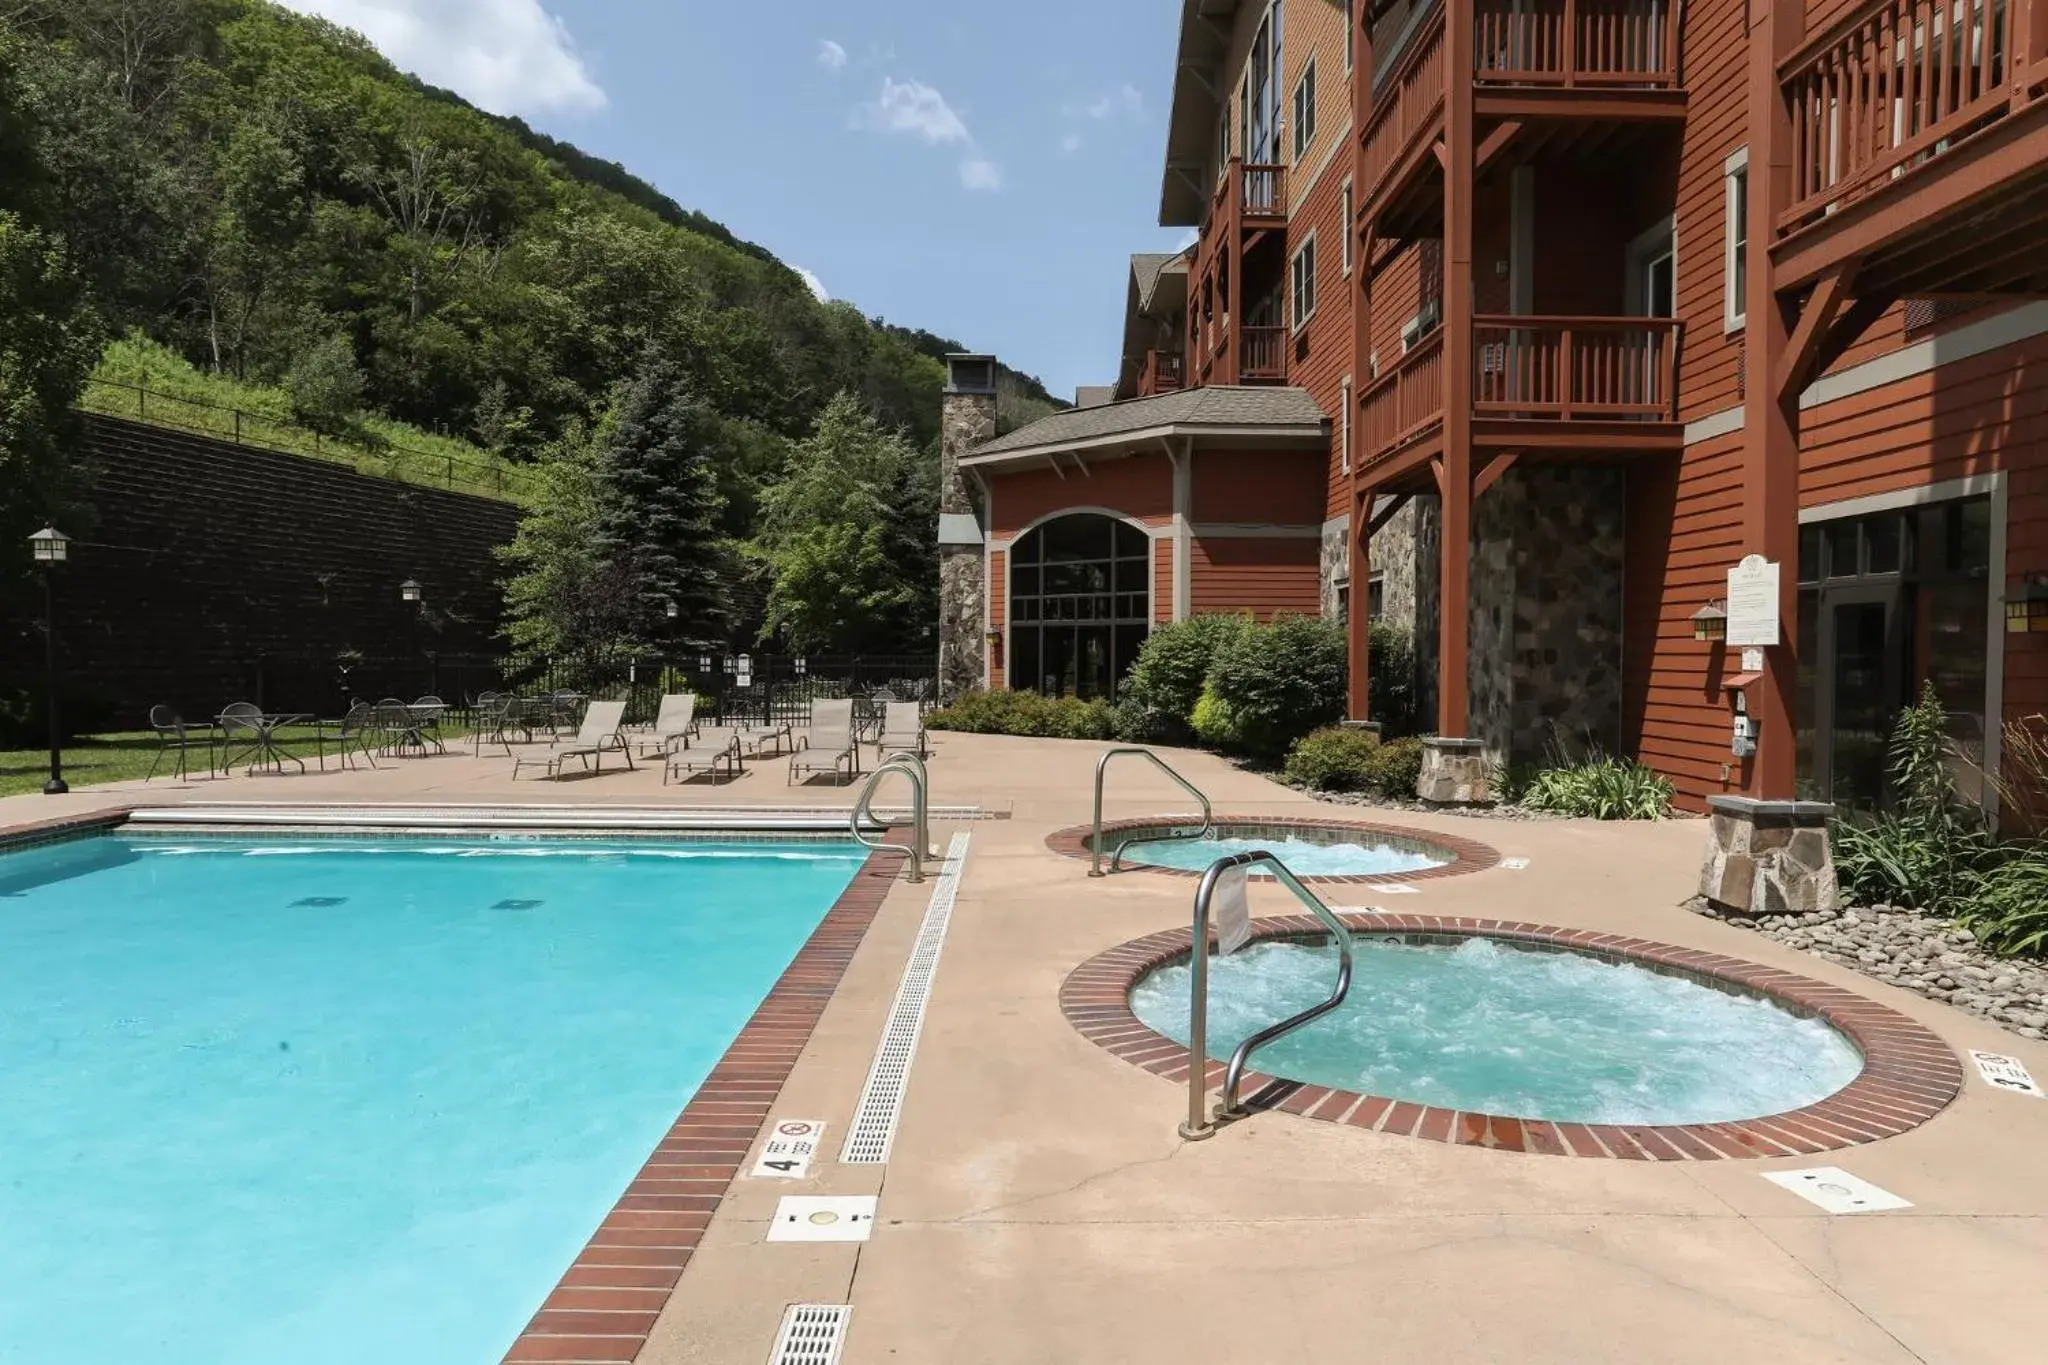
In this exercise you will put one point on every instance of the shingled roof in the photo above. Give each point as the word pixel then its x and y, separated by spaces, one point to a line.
pixel 1275 413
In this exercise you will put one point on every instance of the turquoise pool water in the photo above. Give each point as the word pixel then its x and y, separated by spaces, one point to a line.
pixel 336 1102
pixel 1304 857
pixel 1494 1029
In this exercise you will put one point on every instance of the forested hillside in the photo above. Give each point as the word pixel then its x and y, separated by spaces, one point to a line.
pixel 265 194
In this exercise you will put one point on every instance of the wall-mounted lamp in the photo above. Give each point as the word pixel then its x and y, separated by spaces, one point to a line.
pixel 1710 623
pixel 2026 609
pixel 994 637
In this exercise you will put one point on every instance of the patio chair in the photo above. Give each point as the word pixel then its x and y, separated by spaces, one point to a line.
pixel 675 724
pixel 392 722
pixel 492 716
pixel 902 729
pixel 716 751
pixel 603 731
pixel 175 735
pixel 240 723
pixel 355 731
pixel 829 743
pixel 426 721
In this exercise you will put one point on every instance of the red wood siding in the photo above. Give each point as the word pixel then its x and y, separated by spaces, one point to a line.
pixel 1139 486
pixel 998 617
pixel 1162 579
pixel 1267 577
pixel 1268 488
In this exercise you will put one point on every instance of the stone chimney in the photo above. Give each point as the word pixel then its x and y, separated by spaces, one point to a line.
pixel 967 419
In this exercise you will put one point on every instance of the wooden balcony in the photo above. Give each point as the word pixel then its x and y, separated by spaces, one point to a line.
pixel 1163 372
pixel 1256 192
pixel 1555 388
pixel 1262 355
pixel 1572 44
pixel 1919 134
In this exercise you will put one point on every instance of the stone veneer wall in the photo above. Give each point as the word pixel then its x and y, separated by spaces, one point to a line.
pixel 966 421
pixel 1336 564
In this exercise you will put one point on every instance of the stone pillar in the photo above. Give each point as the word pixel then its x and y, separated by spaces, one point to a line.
pixel 967 420
pixel 1455 772
pixel 1768 857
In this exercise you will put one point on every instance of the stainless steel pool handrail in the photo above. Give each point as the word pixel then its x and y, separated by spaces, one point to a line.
pixel 1199 1124
pixel 912 767
pixel 1095 841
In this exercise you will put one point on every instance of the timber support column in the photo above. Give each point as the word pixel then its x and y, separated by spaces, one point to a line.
pixel 1770 437
pixel 1454 767
pixel 967 420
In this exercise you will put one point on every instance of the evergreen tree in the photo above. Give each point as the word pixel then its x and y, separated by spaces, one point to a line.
pixel 658 510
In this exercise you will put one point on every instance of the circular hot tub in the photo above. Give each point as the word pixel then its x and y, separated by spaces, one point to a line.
pixel 1538 1039
pixel 1314 850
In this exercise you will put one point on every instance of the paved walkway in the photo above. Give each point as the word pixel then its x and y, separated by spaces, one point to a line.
pixel 1039 1206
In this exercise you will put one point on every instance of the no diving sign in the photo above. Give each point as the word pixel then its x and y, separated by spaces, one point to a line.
pixel 787 1153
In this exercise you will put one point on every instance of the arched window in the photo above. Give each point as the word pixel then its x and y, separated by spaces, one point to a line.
pixel 1080 604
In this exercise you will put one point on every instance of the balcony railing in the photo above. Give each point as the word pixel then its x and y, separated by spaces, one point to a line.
pixel 1400 404
pixel 1409 103
pixel 1577 368
pixel 1575 42
pixel 1892 85
pixel 1262 355
pixel 1162 373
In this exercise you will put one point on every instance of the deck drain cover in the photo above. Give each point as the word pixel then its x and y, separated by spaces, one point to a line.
pixel 1835 1190
pixel 812 1334
pixel 823 1218
pixel 515 905
pixel 319 902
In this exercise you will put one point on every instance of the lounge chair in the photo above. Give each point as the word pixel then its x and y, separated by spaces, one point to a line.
pixel 716 751
pixel 357 730
pixel 756 739
pixel 175 735
pixel 902 729
pixel 829 745
pixel 602 732
pixel 675 724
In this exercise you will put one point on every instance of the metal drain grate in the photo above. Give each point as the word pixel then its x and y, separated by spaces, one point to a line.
pixel 874 1122
pixel 812 1334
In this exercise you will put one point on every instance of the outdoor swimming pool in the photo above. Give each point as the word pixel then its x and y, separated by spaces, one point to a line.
pixel 349 1100
pixel 1484 1027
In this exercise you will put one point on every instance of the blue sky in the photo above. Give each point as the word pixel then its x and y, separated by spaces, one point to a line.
pixel 980 170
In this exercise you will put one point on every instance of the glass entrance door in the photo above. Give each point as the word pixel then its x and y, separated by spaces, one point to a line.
pixel 1862 670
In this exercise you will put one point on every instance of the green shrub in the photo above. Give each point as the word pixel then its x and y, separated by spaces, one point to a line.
pixel 1601 788
pixel 1333 759
pixel 1024 713
pixel 1930 852
pixel 325 386
pixel 1281 681
pixel 1390 675
pixel 1157 701
pixel 2009 910
pixel 1395 767
pixel 1214 722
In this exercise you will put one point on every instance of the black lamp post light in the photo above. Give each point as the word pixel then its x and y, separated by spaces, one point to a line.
pixel 52 547
pixel 410 593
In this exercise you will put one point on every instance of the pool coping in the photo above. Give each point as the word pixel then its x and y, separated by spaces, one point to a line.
pixel 605 1305
pixel 1468 855
pixel 1909 1075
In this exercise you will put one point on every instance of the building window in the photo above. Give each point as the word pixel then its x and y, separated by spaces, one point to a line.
pixel 1735 266
pixel 1305 110
pixel 1350 227
pixel 1304 283
pixel 1223 139
pixel 1080 605
pixel 1344 431
pixel 1375 598
pixel 1350 37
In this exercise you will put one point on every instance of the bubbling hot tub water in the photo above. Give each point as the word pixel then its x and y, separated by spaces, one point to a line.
pixel 1488 1027
pixel 1365 856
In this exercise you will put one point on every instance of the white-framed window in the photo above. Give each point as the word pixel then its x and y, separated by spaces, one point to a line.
pixel 1302 279
pixel 1223 139
pixel 1350 36
pixel 1735 256
pixel 1347 216
pixel 1344 431
pixel 1305 110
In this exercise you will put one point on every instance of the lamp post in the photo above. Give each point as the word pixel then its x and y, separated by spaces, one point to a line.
pixel 52 547
pixel 409 592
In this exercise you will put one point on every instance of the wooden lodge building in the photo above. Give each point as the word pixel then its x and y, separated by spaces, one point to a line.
pixel 1521 323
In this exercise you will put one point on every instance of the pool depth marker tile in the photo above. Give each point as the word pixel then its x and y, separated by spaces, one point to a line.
pixel 873 1130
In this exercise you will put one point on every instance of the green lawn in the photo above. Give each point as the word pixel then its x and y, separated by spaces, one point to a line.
pixel 127 756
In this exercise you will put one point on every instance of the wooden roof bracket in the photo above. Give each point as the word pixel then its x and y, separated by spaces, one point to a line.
pixel 1495 467
pixel 1815 321
pixel 1385 514
pixel 1494 144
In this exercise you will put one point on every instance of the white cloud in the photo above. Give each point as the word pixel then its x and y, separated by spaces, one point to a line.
pixel 831 55
pixel 813 283
pixel 1071 143
pixel 507 56
pixel 916 110
pixel 1125 99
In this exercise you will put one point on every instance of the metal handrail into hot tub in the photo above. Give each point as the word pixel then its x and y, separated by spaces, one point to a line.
pixel 1199 1125
pixel 1095 842
pixel 912 767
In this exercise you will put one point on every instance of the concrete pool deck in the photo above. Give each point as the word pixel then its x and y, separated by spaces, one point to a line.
pixel 1038 1204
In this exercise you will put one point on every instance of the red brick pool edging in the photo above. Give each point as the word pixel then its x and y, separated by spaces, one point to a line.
pixel 1909 1075
pixel 607 1302
pixel 1467 855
